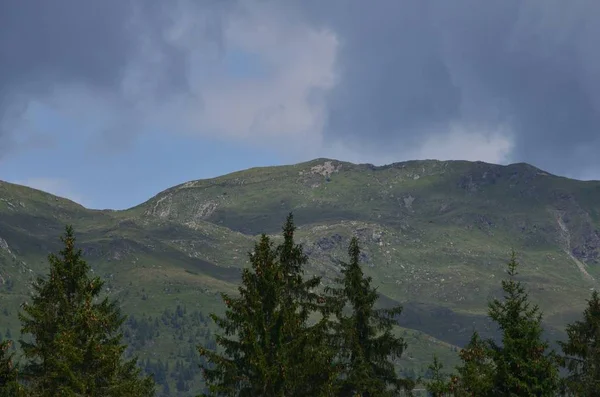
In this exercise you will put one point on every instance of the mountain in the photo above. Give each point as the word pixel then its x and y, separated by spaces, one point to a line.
pixel 436 236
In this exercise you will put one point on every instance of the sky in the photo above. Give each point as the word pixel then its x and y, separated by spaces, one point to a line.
pixel 109 102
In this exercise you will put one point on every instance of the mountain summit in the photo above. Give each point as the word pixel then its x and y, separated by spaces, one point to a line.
pixel 435 236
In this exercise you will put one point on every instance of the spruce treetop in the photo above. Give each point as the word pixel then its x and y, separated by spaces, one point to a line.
pixel 74 339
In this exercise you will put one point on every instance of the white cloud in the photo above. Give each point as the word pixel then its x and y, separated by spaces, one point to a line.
pixel 283 108
pixel 456 144
pixel 285 104
pixel 462 144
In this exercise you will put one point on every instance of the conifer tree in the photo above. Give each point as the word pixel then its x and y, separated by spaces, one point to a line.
pixel 6 365
pixel 582 352
pixel 268 347
pixel 310 344
pixel 476 373
pixel 523 367
pixel 438 384
pixel 367 345
pixel 74 346
pixel 518 366
pixel 9 386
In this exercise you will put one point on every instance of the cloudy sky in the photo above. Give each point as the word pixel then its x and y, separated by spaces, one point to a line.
pixel 108 102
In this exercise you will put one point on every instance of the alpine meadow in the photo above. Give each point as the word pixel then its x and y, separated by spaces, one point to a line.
pixel 320 278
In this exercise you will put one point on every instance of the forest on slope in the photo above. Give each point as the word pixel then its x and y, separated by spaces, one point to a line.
pixel 435 237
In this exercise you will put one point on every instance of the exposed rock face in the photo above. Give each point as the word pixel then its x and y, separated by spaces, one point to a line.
pixel 206 209
pixel 328 243
pixel 325 169
pixel 408 202
pixel 161 208
pixel 587 246
pixel 4 245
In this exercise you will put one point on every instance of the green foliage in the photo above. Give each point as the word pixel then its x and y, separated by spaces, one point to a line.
pixel 519 366
pixel 9 386
pixel 173 337
pixel 7 370
pixel 74 345
pixel 438 384
pixel 367 347
pixel 273 350
pixel 582 352
pixel 522 364
pixel 476 373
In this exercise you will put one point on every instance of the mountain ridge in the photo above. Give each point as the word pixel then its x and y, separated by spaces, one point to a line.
pixel 435 238
pixel 370 166
pixel 304 163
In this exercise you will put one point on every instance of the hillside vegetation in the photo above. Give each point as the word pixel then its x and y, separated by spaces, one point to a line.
pixel 435 236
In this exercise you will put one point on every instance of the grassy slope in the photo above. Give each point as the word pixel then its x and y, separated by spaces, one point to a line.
pixel 435 237
pixel 443 227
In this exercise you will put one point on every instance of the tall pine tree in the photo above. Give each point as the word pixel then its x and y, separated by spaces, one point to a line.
pixel 310 344
pixel 523 367
pixel 582 352
pixel 367 345
pixel 269 348
pixel 74 346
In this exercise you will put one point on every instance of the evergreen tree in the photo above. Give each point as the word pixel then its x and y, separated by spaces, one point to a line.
pixel 367 345
pixel 6 364
pixel 269 347
pixel 582 352
pixel 476 374
pixel 312 352
pixel 522 365
pixel 438 385
pixel 75 340
pixel 9 386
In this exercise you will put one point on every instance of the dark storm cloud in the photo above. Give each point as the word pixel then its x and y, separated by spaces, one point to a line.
pixel 407 70
pixel 394 80
pixel 411 68
pixel 45 45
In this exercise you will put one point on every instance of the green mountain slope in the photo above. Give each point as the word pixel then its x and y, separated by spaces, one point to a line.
pixel 435 234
